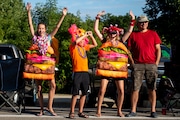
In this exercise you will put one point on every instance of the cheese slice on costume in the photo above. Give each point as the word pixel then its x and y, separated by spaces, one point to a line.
pixel 42 66
pixel 118 65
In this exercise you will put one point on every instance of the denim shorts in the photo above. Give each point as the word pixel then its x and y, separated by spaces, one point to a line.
pixel 147 72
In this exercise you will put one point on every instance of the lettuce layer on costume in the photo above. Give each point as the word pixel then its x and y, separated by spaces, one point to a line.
pixel 112 60
pixel 40 67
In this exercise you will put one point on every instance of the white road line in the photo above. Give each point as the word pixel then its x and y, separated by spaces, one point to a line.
pixel 94 117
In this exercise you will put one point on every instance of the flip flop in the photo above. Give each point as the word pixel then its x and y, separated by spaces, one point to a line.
pixel 40 114
pixel 51 113
pixel 120 115
pixel 98 115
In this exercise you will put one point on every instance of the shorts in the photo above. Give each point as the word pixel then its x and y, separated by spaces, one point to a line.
pixel 81 82
pixel 147 72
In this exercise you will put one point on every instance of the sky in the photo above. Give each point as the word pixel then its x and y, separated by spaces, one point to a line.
pixel 92 7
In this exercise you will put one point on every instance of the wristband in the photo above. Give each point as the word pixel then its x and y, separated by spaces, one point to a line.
pixel 97 17
pixel 132 23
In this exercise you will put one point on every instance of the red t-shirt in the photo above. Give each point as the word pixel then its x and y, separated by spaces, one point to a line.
pixel 143 46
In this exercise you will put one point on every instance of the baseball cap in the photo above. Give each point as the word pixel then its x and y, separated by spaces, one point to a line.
pixel 142 18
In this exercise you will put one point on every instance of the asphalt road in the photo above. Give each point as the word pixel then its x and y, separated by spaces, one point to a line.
pixel 62 104
pixel 62 113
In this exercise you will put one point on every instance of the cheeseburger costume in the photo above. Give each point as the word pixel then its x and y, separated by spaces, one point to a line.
pixel 40 63
pixel 112 59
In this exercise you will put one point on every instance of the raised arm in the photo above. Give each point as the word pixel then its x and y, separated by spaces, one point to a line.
pixel 79 39
pixel 96 25
pixel 87 33
pixel 131 26
pixel 64 12
pixel 28 8
pixel 94 43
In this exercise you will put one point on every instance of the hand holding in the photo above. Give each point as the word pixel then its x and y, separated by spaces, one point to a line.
pixel 90 33
pixel 86 33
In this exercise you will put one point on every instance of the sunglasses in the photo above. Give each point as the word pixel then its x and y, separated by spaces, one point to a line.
pixel 113 32
pixel 143 22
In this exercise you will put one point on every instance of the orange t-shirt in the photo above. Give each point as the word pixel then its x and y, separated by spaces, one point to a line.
pixel 80 63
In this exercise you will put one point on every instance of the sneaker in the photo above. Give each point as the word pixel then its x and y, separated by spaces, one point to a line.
pixel 154 115
pixel 131 114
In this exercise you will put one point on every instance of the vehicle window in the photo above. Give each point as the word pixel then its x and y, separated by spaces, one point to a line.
pixel 20 54
pixel 165 54
pixel 6 51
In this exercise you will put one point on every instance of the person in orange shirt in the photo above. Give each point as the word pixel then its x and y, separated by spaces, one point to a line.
pixel 78 47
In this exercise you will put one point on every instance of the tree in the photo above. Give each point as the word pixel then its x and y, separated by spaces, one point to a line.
pixel 13 25
pixel 14 29
pixel 49 13
pixel 164 16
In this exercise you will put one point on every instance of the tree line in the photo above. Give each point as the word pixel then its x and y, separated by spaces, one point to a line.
pixel 14 29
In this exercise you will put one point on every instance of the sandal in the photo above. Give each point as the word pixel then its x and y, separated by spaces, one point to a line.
pixel 98 114
pixel 40 114
pixel 71 115
pixel 120 115
pixel 51 113
pixel 82 115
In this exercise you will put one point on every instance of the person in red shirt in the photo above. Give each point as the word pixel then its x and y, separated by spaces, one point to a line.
pixel 78 47
pixel 144 45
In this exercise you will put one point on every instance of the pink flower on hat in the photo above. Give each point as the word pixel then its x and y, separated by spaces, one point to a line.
pixel 76 33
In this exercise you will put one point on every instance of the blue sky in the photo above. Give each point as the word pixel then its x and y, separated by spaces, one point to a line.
pixel 92 7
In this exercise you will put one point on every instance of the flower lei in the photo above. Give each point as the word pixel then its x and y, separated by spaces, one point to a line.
pixel 42 43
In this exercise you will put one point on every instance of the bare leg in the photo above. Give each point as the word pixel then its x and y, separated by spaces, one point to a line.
pixel 134 100
pixel 81 103
pixel 120 99
pixel 152 99
pixel 51 96
pixel 101 93
pixel 73 103
pixel 40 96
pixel 81 107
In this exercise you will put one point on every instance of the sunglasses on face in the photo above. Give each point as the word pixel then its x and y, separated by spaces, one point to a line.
pixel 113 32
pixel 143 22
